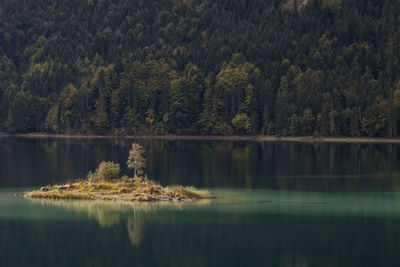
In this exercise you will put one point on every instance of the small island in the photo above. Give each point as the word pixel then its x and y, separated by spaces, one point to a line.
pixel 105 184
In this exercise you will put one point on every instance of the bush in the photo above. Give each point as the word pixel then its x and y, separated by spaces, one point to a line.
pixel 222 129
pixel 106 171
pixel 126 178
pixel 241 122
pixel 93 177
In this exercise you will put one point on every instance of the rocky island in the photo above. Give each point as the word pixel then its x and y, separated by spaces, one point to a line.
pixel 105 184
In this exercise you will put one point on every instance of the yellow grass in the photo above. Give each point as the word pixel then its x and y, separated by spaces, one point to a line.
pixel 129 190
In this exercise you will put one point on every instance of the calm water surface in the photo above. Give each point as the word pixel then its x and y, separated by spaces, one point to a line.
pixel 277 204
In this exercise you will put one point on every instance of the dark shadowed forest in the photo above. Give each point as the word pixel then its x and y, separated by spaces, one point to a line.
pixel 322 67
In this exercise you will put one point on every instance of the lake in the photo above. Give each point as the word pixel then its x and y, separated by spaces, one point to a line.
pixel 276 204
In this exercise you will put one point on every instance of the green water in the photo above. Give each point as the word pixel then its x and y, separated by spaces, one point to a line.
pixel 276 204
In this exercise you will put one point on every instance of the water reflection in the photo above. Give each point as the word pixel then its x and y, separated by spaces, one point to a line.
pixel 114 213
pixel 278 204
pixel 239 228
pixel 316 167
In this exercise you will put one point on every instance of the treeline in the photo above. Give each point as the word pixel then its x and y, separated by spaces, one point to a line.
pixel 326 67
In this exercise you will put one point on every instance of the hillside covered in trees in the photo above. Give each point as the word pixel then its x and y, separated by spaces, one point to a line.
pixel 322 67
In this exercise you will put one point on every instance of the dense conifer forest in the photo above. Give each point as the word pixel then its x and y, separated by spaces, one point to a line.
pixel 317 67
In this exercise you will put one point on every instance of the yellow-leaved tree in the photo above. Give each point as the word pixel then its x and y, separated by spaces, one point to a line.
pixel 136 161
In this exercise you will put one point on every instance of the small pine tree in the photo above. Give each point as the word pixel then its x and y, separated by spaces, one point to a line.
pixel 136 161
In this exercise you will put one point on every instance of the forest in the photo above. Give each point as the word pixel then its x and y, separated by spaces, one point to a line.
pixel 200 67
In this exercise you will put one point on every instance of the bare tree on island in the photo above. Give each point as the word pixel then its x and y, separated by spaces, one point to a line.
pixel 136 161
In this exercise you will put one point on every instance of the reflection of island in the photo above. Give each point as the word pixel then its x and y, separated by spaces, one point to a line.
pixel 135 230
pixel 109 214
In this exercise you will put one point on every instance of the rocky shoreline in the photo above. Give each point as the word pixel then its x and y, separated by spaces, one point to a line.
pixel 131 190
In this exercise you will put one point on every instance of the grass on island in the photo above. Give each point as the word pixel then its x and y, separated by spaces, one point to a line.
pixel 105 184
pixel 133 189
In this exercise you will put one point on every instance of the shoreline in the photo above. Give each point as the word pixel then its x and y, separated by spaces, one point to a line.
pixel 131 189
pixel 258 138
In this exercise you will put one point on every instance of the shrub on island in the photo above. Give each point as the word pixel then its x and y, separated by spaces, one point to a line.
pixel 105 184
pixel 107 171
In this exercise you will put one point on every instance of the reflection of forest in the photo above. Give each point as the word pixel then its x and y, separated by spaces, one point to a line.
pixel 109 214
pixel 243 164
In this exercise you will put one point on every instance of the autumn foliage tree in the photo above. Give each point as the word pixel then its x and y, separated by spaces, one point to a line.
pixel 190 67
pixel 136 160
